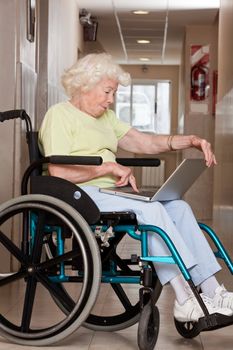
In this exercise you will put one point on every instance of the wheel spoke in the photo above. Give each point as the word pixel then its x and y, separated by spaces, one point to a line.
pixel 58 259
pixel 122 296
pixel 121 263
pixel 12 277
pixel 13 249
pixel 28 303
pixel 58 292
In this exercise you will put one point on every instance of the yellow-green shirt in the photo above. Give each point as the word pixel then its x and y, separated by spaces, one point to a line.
pixel 66 130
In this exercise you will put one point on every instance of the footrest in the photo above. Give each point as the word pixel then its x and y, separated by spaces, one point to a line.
pixel 214 321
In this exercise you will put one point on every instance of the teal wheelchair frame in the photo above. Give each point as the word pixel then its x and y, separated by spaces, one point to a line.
pixel 68 250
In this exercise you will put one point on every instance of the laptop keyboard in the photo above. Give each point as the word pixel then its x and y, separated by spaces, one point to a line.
pixel 142 192
pixel 147 193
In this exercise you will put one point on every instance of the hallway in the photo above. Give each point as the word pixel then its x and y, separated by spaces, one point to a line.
pixel 30 80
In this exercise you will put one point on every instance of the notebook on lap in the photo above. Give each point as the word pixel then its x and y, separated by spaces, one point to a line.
pixel 173 188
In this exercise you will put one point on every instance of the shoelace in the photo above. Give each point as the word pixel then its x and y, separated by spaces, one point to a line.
pixel 208 301
pixel 223 292
pixel 224 298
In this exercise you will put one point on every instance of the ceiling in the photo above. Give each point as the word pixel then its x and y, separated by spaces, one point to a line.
pixel 164 26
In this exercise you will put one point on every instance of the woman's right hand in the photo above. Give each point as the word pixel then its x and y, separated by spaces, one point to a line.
pixel 123 174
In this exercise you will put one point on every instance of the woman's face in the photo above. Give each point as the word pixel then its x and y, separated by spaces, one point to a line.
pixel 96 101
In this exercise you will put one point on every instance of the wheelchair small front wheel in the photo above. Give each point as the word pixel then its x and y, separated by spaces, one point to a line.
pixel 148 327
pixel 187 329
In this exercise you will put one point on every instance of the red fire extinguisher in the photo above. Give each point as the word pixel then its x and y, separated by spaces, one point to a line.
pixel 198 82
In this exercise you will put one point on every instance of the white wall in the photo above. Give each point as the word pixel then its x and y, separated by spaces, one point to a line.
pixel 200 195
pixel 65 38
pixel 30 74
pixel 223 184
pixel 27 72
pixel 7 102
pixel 7 96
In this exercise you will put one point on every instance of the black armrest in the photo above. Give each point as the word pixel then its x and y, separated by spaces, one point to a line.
pixel 78 160
pixel 139 161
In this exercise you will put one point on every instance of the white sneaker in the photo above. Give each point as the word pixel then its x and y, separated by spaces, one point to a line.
pixel 223 298
pixel 191 310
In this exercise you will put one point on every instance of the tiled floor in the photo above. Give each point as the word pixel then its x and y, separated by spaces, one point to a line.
pixel 85 339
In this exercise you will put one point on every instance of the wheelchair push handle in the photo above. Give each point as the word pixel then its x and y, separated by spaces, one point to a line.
pixel 81 160
pixel 13 114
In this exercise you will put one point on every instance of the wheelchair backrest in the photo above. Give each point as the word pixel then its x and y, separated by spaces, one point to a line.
pixel 58 187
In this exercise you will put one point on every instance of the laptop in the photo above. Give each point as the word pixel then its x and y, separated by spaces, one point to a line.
pixel 173 188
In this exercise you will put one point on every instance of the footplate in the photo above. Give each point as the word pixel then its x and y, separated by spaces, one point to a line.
pixel 214 321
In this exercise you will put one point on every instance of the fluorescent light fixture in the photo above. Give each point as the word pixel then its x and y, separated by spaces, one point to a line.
pixel 141 12
pixel 144 59
pixel 143 41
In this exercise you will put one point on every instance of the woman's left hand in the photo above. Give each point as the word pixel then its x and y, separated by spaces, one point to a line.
pixel 204 146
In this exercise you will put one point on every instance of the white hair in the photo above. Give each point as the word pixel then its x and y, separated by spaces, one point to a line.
pixel 89 70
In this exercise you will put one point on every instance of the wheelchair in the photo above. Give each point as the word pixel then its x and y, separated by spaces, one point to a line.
pixel 64 252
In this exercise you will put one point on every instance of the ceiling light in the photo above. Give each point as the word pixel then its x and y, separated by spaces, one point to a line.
pixel 141 12
pixel 144 59
pixel 143 41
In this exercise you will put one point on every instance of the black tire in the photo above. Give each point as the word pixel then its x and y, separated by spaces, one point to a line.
pixel 148 327
pixel 187 330
pixel 31 286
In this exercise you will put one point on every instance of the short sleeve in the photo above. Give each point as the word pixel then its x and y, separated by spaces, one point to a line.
pixel 55 135
pixel 120 128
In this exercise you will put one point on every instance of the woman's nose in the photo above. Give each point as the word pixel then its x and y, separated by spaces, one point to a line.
pixel 110 99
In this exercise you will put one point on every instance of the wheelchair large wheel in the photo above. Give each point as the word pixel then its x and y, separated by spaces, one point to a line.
pixel 124 296
pixel 33 281
pixel 148 327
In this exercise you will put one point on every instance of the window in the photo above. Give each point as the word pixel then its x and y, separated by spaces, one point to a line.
pixel 145 105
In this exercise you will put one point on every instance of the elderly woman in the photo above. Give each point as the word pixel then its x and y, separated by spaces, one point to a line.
pixel 84 125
